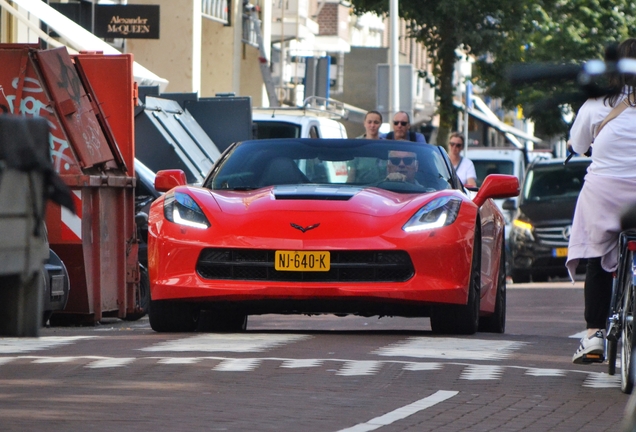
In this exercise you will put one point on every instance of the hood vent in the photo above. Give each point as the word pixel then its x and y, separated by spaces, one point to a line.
pixel 316 192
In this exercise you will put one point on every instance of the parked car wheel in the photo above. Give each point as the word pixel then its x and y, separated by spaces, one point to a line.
pixel 520 276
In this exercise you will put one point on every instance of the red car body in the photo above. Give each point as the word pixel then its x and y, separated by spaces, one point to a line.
pixel 247 226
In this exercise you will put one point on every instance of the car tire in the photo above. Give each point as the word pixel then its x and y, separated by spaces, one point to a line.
pixel 520 276
pixel 496 323
pixel 142 297
pixel 462 319
pixel 216 321
pixel 172 316
pixel 539 277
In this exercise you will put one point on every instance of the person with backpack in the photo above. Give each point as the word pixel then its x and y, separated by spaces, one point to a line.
pixel 402 129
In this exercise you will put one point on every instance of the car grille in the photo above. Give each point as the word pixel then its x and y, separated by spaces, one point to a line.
pixel 553 236
pixel 346 266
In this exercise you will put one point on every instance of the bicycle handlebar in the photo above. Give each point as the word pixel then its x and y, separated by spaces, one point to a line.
pixel 571 153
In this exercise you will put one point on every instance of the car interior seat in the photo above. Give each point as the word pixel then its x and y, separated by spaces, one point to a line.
pixel 282 170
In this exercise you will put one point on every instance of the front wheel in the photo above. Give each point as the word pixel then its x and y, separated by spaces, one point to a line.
pixel 172 316
pixel 627 331
pixel 462 319
pixel 496 323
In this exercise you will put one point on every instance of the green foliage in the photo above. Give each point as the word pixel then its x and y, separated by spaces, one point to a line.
pixel 503 32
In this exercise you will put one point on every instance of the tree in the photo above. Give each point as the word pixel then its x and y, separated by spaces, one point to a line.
pixel 554 31
pixel 444 26
pixel 499 33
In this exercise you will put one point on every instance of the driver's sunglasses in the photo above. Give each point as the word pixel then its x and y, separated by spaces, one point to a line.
pixel 407 160
pixel 403 123
pixel 457 144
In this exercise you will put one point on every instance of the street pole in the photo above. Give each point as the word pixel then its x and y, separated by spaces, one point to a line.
pixel 469 107
pixel 394 61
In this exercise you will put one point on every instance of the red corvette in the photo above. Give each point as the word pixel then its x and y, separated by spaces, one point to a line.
pixel 300 226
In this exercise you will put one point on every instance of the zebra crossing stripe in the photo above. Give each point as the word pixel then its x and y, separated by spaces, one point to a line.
pixel 301 363
pixel 451 348
pixel 422 366
pixel 359 367
pixel 481 372
pixel 602 380
pixel 238 365
pixel 24 345
pixel 544 372
pixel 110 362
pixel 227 342
pixel 179 360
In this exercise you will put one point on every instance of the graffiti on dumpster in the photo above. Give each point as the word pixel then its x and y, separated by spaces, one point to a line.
pixel 34 107
pixel 88 125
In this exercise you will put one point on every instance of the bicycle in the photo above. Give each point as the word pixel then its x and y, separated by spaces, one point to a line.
pixel 621 324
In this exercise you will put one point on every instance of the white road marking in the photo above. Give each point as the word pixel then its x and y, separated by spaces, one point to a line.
pixel 23 345
pixel 481 372
pixel 544 372
pixel 110 362
pixel 602 380
pixel 359 367
pixel 349 367
pixel 301 363
pixel 238 365
pixel 403 412
pixel 422 366
pixel 179 360
pixel 578 335
pixel 451 348
pixel 54 360
pixel 227 342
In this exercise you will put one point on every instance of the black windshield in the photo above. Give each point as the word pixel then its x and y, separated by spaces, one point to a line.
pixel 262 163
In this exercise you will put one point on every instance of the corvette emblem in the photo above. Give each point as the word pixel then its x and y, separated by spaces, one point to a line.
pixel 307 228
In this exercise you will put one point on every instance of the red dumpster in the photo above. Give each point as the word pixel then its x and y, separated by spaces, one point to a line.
pixel 89 102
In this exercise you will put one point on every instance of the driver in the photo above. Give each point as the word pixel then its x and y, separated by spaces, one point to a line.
pixel 402 166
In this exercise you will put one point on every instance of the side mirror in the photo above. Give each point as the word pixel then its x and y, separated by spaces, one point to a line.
pixel 168 179
pixel 497 186
pixel 509 204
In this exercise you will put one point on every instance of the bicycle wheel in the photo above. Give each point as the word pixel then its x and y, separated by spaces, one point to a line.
pixel 627 322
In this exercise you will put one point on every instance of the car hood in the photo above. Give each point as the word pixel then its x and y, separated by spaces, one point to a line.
pixel 548 212
pixel 312 198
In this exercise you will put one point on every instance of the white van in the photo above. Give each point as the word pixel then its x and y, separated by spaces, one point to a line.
pixel 295 123
pixel 302 123
pixel 500 160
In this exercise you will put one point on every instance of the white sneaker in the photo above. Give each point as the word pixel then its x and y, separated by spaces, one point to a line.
pixel 591 350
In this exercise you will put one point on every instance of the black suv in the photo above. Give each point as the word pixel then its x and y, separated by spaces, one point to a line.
pixel 541 229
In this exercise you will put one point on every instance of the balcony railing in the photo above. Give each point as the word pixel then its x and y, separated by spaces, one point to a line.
pixel 250 26
pixel 216 10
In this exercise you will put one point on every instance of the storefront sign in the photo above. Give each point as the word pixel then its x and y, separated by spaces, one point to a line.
pixel 127 21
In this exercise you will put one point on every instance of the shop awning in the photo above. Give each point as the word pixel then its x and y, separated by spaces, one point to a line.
pixel 76 37
pixel 484 114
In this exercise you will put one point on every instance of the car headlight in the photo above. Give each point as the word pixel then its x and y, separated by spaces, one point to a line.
pixel 181 209
pixel 437 213
pixel 523 228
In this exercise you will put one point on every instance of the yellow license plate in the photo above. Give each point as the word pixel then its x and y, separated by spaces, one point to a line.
pixel 313 261
pixel 560 252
